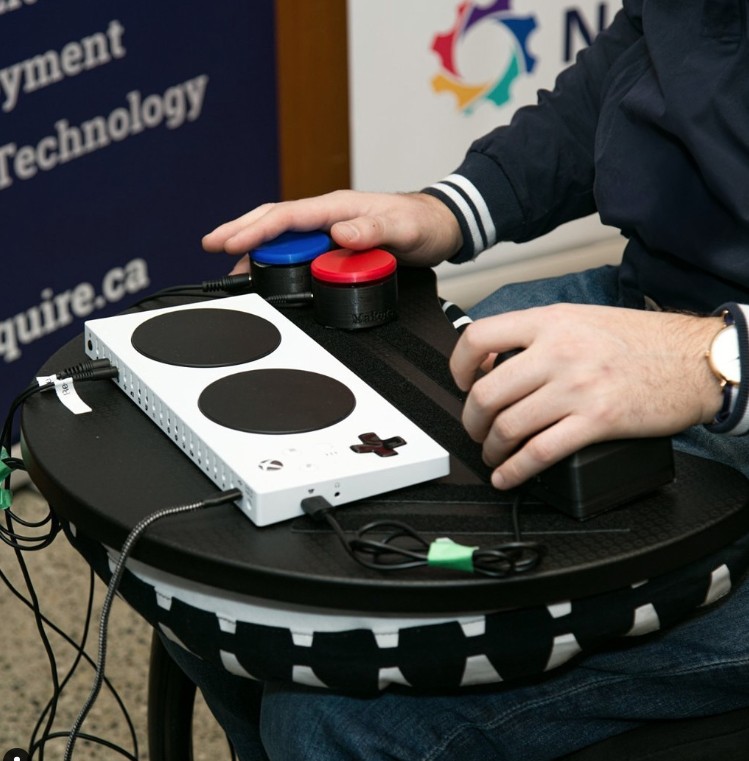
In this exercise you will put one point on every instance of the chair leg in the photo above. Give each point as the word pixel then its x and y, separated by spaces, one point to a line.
pixel 171 698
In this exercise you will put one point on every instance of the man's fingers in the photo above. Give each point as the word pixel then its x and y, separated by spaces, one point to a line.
pixel 489 336
pixel 517 423
pixel 269 225
pixel 542 451
pixel 215 240
pixel 270 220
pixel 501 389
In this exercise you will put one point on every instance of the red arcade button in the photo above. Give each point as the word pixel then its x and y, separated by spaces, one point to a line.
pixel 348 267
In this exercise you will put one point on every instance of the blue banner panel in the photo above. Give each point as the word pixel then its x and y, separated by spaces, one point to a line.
pixel 127 131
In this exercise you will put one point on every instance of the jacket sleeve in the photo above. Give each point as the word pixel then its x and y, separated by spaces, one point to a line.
pixel 522 180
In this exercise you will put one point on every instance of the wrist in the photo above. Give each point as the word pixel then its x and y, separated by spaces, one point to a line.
pixel 445 224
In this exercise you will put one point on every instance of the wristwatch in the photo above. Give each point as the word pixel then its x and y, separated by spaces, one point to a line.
pixel 724 359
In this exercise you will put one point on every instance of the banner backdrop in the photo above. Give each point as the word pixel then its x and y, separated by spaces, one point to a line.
pixel 429 76
pixel 127 131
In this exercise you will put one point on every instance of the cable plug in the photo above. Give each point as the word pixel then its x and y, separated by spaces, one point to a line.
pixel 289 299
pixel 230 495
pixel 96 373
pixel 316 507
pixel 93 369
pixel 230 283
pixel 82 367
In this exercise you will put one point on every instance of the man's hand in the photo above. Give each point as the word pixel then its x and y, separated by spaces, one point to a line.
pixel 586 374
pixel 417 228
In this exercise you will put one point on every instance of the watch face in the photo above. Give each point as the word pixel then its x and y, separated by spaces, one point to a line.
pixel 725 354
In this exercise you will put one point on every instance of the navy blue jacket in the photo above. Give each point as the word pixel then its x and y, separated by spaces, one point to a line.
pixel 650 128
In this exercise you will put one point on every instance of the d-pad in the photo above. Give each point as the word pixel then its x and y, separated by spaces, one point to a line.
pixel 371 442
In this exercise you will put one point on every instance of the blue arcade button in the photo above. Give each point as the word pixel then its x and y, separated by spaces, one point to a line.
pixel 292 248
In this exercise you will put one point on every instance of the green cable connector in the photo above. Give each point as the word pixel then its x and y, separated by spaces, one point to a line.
pixel 446 553
pixel 6 495
pixel 5 470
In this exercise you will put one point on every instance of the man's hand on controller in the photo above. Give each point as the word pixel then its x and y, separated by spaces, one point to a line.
pixel 587 374
pixel 417 228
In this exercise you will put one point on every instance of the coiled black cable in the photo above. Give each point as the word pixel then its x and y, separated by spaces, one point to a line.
pixel 399 547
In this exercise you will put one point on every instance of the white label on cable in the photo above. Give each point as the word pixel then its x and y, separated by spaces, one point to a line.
pixel 66 393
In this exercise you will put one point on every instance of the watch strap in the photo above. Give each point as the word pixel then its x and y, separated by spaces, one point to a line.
pixel 733 418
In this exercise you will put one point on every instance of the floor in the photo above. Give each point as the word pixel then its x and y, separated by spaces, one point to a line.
pixel 61 581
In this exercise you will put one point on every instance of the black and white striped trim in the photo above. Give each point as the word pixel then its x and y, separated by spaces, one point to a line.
pixel 737 421
pixel 366 653
pixel 471 205
pixel 456 315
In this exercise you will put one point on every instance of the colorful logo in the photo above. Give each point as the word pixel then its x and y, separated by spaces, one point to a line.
pixel 450 47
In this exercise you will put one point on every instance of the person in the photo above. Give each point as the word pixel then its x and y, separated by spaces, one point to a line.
pixel 650 129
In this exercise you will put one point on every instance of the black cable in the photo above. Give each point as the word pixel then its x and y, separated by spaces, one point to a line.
pixel 65 636
pixel 221 288
pixel 14 463
pixel 229 285
pixel 402 547
pixel 98 741
pixel 7 429
pixel 191 292
pixel 114 581
pixel 39 623
pixel 26 543
pixel 513 557
pixel 85 371
pixel 89 370
pixel 32 543
pixel 52 703
pixel 33 524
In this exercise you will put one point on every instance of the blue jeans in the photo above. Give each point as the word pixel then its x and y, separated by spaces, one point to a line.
pixel 698 668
